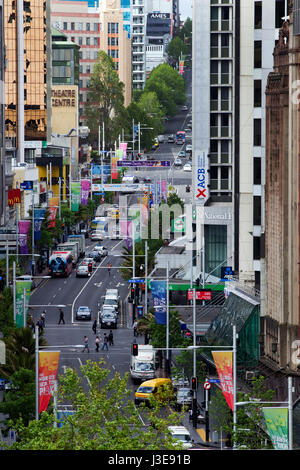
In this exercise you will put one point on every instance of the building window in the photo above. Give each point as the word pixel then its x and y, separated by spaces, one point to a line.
pixel 80 41
pixel 215 248
pixel 95 26
pixel 256 210
pixel 95 41
pixel 88 26
pixel 257 93
pixel 256 171
pixel 256 248
pixel 72 26
pixel 257 132
pixel 88 42
pixel 95 55
pixel 257 54
pixel 80 26
pixel 87 55
pixel 258 15
pixel 279 12
pixel 65 26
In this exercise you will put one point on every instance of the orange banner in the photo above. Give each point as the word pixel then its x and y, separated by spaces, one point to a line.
pixel 48 365
pixel 224 361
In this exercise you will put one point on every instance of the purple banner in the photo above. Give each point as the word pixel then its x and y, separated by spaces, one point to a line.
pixel 85 189
pixel 138 163
pixel 164 190
pixel 125 232
pixel 24 226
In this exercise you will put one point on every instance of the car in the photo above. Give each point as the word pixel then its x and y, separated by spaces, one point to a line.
pixel 179 381
pixel 177 162
pixel 187 167
pixel 115 233
pixel 101 250
pixel 184 398
pixel 84 313
pixel 113 293
pixel 147 180
pixel 184 108
pixel 97 235
pixel 82 271
pixel 161 139
pixel 112 302
pixel 108 319
pixel 182 435
pixel 189 148
pixel 190 125
pixel 87 261
pixel 95 255
pixel 171 139
pixel 187 129
pixel 181 154
pixel 155 146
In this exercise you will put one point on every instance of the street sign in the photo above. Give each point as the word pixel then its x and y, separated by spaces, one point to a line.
pixel 142 163
pixel 214 381
pixel 226 272
pixel 207 385
pixel 200 295
pixel 136 281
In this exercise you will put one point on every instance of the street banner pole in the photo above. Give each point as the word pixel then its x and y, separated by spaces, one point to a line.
pixel 146 277
pixel 234 383
pixel 14 290
pixel 290 412
pixel 7 264
pixel 194 361
pixel 36 372
pixel 168 316
pixel 24 307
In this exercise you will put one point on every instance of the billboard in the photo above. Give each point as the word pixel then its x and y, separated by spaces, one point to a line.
pixel 139 163
pixel 158 24
pixel 201 181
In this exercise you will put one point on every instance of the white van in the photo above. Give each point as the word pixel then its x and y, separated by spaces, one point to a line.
pixel 130 179
pixel 182 435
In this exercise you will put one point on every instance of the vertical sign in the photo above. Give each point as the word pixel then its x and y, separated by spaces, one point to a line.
pixel 201 189
pixel 224 365
pixel 24 226
pixel 20 286
pixel 75 194
pixel 277 425
pixel 159 298
pixel 48 365
pixel 85 189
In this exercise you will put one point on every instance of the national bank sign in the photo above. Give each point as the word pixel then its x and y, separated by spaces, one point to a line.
pixel 201 183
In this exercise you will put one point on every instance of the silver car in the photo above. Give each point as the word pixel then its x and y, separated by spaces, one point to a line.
pixel 84 313
pixel 108 318
pixel 83 271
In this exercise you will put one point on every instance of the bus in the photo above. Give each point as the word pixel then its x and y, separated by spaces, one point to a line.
pixel 180 137
pixel 60 263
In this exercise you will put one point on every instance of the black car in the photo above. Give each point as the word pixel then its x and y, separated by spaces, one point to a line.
pixel 95 255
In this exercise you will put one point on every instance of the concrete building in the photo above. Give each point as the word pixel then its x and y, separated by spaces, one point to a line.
pixel 138 36
pixel 237 40
pixel 115 41
pixel 79 20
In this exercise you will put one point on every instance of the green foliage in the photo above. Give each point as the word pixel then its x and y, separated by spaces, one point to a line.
pixel 106 100
pixel 158 332
pixel 104 417
pixel 6 312
pixel 184 363
pixel 176 48
pixel 169 86
pixel 20 399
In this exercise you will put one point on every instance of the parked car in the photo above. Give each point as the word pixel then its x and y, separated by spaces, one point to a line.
pixel 101 250
pixel 95 255
pixel 82 271
pixel 108 318
pixel 84 313
pixel 187 167
pixel 184 398
pixel 177 162
pixel 181 154
pixel 182 435
pixel 97 235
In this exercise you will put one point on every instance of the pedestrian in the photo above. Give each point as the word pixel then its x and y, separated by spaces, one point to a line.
pixel 86 344
pixel 43 317
pixel 135 328
pixel 30 321
pixel 39 324
pixel 111 338
pixel 190 415
pixel 61 317
pixel 105 341
pixel 97 342
pixel 109 268
pixel 94 327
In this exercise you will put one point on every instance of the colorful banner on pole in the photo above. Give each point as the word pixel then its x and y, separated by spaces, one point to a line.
pixel 114 164
pixel 123 147
pixel 48 365
pixel 39 215
pixel 224 365
pixel 14 197
pixel 159 299
pixel 24 226
pixel 85 189
pixel 52 216
pixel 21 319
pixel 277 426
pixel 75 192
pixel 164 190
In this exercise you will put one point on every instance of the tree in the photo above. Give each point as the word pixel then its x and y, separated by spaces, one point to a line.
pixel 105 103
pixel 104 417
pixel 176 48
pixel 6 312
pixel 173 84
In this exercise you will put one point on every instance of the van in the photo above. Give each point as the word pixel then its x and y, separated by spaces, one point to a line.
pixel 130 179
pixel 182 435
pixel 161 389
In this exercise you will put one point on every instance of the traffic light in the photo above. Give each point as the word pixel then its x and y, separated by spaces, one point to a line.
pixel 197 282
pixel 194 383
pixel 132 292
pixel 135 349
pixel 90 267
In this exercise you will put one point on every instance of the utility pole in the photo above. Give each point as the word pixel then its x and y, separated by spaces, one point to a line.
pixel 167 319
pixel 194 360
pixel 7 264
pixel 146 277
pixel 32 236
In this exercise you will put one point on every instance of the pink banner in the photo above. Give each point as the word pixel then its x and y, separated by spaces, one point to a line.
pixel 85 189
pixel 24 226
pixel 52 216
pixel 164 189
pixel 123 146
pixel 224 361
pixel 48 365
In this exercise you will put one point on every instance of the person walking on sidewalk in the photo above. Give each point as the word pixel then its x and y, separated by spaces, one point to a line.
pixel 111 338
pixel 97 342
pixel 109 268
pixel 135 328
pixel 105 341
pixel 94 327
pixel 61 317
pixel 43 317
pixel 86 344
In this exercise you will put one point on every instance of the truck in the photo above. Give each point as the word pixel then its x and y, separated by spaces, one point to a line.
pixel 70 246
pixel 142 366
pixel 80 238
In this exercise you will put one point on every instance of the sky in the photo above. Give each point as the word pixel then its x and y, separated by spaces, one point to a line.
pixel 185 9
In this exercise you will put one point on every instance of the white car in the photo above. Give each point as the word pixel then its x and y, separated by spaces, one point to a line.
pixel 177 162
pixel 82 271
pixel 84 313
pixel 189 148
pixel 87 261
pixel 187 167
pixel 182 435
pixel 96 236
pixel 101 250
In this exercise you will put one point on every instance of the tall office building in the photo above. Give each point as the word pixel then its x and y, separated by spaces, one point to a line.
pixel 79 20
pixel 3 180
pixel 138 36
pixel 230 71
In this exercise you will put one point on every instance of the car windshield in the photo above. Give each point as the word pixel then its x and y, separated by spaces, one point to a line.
pixel 110 301
pixel 84 309
pixel 145 389
pixel 108 316
pixel 142 366
pixel 184 393
pixel 82 268
pixel 181 437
